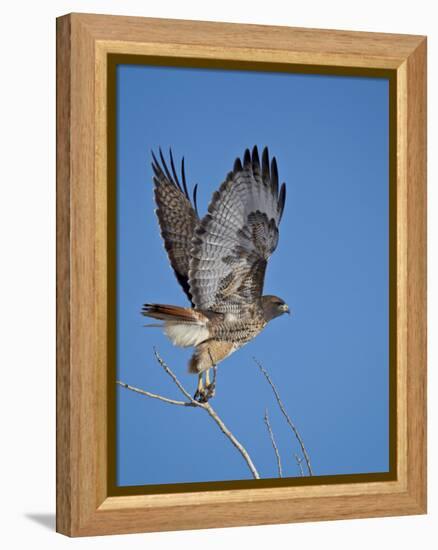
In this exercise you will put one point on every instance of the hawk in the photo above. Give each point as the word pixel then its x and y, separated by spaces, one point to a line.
pixel 219 260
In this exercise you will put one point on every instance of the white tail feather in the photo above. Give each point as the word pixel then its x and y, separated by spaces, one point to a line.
pixel 185 335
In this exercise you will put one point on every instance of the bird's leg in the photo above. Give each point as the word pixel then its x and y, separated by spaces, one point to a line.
pixel 206 391
pixel 210 386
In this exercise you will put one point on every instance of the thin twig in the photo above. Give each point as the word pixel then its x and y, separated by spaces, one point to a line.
pixel 274 444
pixel 193 403
pixel 154 395
pixel 300 464
pixel 287 417
pixel 174 378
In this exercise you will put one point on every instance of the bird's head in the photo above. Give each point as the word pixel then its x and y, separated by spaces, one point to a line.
pixel 273 306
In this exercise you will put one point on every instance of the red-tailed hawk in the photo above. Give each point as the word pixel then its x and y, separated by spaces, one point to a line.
pixel 219 260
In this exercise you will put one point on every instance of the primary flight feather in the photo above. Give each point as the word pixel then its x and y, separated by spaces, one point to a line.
pixel 219 260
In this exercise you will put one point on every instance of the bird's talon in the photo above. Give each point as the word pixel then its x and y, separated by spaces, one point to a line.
pixel 197 395
pixel 210 391
pixel 200 396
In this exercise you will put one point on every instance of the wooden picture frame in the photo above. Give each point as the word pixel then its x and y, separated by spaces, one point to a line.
pixel 84 44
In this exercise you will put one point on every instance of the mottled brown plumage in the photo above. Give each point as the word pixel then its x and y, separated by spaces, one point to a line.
pixel 219 260
pixel 177 217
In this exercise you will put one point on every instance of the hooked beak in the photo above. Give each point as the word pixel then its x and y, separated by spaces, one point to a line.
pixel 285 308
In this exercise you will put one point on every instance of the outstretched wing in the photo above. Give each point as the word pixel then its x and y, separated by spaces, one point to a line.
pixel 177 216
pixel 234 241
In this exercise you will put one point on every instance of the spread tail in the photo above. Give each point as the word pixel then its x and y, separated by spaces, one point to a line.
pixel 165 312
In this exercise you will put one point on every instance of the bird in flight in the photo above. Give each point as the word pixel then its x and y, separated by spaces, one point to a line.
pixel 219 260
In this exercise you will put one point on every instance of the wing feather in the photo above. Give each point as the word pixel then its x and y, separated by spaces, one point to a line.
pixel 176 214
pixel 233 242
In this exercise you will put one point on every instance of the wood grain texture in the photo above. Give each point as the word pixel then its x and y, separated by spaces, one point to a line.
pixel 416 271
pixel 391 49
pixel 402 277
pixel 77 408
pixel 83 504
pixel 63 281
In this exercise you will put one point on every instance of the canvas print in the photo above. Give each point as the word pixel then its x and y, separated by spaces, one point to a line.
pixel 252 273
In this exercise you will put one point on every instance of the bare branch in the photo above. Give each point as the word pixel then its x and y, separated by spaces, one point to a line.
pixel 287 417
pixel 300 464
pixel 154 395
pixel 274 444
pixel 231 437
pixel 193 403
pixel 174 378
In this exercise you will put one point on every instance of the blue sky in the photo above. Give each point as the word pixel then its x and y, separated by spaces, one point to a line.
pixel 329 359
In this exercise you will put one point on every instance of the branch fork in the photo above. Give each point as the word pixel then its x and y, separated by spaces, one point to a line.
pixel 190 401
